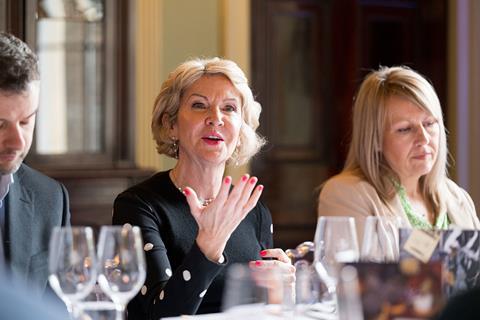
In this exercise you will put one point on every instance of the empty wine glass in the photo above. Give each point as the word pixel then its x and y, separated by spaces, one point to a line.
pixel 309 301
pixel 349 300
pixel 97 310
pixel 121 264
pixel 72 264
pixel 96 306
pixel 252 292
pixel 381 239
pixel 335 243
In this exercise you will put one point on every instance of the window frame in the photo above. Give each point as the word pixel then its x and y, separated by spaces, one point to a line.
pixel 118 75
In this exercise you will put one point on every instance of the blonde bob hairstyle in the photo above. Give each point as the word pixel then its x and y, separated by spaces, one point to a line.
pixel 365 155
pixel 168 101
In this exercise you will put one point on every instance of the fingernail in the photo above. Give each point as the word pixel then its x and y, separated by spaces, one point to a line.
pixel 228 179
pixel 244 178
pixel 263 253
pixel 186 192
pixel 260 187
pixel 258 263
pixel 253 180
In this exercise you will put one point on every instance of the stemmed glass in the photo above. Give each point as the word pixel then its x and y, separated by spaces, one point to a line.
pixel 381 239
pixel 253 292
pixel 72 264
pixel 335 242
pixel 122 268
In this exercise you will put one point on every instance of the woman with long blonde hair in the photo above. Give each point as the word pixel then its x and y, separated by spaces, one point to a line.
pixel 397 160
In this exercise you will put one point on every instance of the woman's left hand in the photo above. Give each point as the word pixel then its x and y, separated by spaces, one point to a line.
pixel 280 263
pixel 279 259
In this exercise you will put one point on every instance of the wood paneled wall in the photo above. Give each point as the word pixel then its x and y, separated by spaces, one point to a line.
pixel 308 59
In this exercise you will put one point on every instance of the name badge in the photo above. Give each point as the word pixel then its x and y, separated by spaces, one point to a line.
pixel 422 243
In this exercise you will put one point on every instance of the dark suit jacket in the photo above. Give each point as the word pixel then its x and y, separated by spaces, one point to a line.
pixel 18 303
pixel 35 204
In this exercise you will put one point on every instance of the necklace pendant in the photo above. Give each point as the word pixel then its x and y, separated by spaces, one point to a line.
pixel 203 202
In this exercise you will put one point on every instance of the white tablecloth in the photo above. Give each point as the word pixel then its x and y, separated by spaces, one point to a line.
pixel 259 312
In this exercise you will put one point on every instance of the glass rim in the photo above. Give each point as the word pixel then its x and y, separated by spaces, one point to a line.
pixel 338 218
pixel 119 227
pixel 73 229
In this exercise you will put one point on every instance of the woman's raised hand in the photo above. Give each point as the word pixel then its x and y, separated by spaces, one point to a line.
pixel 217 221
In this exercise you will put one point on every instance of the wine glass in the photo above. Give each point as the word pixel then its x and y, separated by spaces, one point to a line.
pixel 96 306
pixel 122 269
pixel 255 291
pixel 72 264
pixel 310 303
pixel 335 243
pixel 381 239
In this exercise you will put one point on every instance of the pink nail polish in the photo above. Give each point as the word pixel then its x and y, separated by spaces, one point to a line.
pixel 253 180
pixel 186 192
pixel 263 253
pixel 244 178
pixel 258 263
pixel 227 180
pixel 260 187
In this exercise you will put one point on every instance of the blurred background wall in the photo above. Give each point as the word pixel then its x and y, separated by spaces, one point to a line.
pixel 169 32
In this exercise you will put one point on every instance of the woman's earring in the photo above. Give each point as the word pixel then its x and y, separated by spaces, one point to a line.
pixel 175 147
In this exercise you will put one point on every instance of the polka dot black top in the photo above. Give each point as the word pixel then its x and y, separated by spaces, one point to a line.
pixel 180 279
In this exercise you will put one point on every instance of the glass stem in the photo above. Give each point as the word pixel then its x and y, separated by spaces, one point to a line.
pixel 71 310
pixel 119 311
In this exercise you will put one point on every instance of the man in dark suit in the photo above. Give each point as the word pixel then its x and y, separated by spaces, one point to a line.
pixel 31 204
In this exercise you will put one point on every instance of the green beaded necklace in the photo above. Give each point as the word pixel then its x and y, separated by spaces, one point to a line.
pixel 416 221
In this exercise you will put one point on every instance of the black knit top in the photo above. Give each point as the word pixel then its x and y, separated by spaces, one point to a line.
pixel 180 279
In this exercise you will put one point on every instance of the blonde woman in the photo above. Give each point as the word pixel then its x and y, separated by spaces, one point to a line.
pixel 194 221
pixel 397 160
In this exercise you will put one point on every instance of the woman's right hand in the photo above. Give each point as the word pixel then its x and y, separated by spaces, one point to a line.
pixel 217 221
